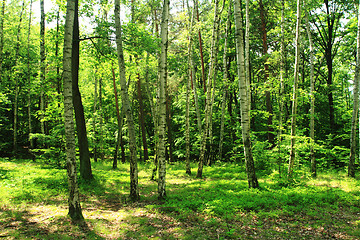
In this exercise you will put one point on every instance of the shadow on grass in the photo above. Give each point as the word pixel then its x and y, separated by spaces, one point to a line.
pixel 23 224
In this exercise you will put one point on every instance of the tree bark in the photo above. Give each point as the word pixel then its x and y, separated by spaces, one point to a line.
pixel 134 191
pixel 245 113
pixel 2 36
pixel 17 51
pixel 73 201
pixel 208 104
pixel 295 86
pixel 354 119
pixel 312 98
pixel 85 164
pixel 42 65
pixel 29 79
pixel 162 100
pixel 226 84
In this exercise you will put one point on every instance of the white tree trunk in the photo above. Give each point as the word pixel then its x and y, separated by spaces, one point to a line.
pixel 295 86
pixel 134 191
pixel 73 200
pixel 351 166
pixel 244 102
pixel 162 99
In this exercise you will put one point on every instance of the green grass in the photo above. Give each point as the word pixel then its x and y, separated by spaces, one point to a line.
pixel 33 204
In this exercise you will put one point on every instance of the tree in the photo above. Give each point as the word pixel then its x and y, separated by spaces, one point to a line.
pixel 295 89
pixel 73 201
pixel 162 99
pixel 354 118
pixel 312 96
pixel 245 113
pixel 42 65
pixel 134 191
pixel 85 165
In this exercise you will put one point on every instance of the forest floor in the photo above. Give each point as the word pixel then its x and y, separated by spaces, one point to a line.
pixel 33 205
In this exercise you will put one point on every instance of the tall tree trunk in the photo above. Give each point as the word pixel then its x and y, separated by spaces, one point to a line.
pixel 142 119
pixel 119 119
pixel 312 98
pixel 29 80
pixel 17 51
pixel 73 200
pixel 226 83
pixel 247 50
pixel 42 65
pixel 200 47
pixel 188 86
pixel 281 89
pixel 85 164
pixel 208 103
pixel 162 99
pixel 351 166
pixel 95 150
pixel 295 86
pixel 270 134
pixel 2 36
pixel 134 191
pixel 245 113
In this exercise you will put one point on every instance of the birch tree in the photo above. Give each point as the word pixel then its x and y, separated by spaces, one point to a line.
pixel 73 201
pixel 295 86
pixel 244 103
pixel 134 191
pixel 42 65
pixel 162 99
pixel 312 96
pixel 351 166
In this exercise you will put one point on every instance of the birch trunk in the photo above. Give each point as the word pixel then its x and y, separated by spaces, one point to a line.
pixel 281 94
pixel 162 100
pixel 118 117
pixel 244 103
pixel 188 86
pixel 312 98
pixel 17 51
pixel 226 84
pixel 200 47
pixel 208 103
pixel 42 65
pixel 295 86
pixel 73 200
pixel 2 36
pixel 351 166
pixel 85 164
pixel 29 79
pixel 134 191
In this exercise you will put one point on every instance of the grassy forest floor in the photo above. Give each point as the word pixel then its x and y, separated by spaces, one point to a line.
pixel 33 205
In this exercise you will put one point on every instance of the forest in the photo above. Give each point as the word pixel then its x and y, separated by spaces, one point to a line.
pixel 184 119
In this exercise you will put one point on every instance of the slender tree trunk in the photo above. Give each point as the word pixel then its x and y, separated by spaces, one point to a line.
pixel 270 134
pixel 245 113
pixel 208 103
pixel 168 124
pixel 17 51
pixel 295 86
pixel 188 86
pixel 312 98
pixel 29 79
pixel 73 200
pixel 247 50
pixel 200 47
pixel 351 166
pixel 162 99
pixel 281 93
pixel 42 65
pixel 2 36
pixel 226 83
pixel 85 164
pixel 119 119
pixel 142 119
pixel 134 191
pixel 95 151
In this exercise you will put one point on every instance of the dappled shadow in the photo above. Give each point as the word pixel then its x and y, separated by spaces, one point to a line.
pixel 21 224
